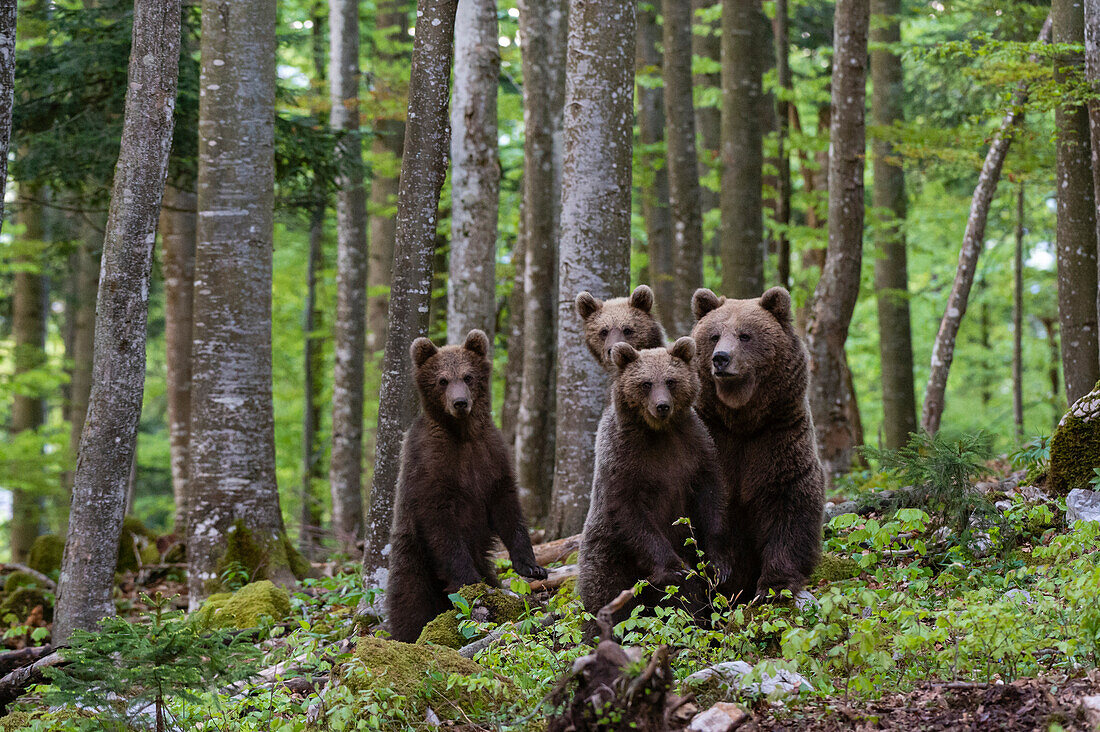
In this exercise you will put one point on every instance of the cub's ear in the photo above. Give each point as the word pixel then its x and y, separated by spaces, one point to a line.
pixel 703 301
pixel 777 301
pixel 422 349
pixel 642 298
pixel 683 349
pixel 623 354
pixel 587 305
pixel 478 342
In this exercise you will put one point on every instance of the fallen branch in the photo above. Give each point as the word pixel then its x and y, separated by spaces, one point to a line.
pixel 16 683
pixel 46 582
pixel 551 551
pixel 603 617
pixel 557 577
pixel 471 649
pixel 13 660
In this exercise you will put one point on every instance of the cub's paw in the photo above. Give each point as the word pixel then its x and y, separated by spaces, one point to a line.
pixel 530 571
pixel 671 575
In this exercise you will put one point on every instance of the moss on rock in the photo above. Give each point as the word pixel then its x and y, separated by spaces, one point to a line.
pixel 131 544
pixel 23 600
pixel 413 671
pixel 834 568
pixel 487 604
pixel 60 720
pixel 1075 446
pixel 15 580
pixel 244 608
pixel 45 554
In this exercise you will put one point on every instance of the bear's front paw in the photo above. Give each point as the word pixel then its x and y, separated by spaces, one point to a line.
pixel 671 575
pixel 530 570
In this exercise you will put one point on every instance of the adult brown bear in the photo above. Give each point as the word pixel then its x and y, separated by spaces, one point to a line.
pixel 455 490
pixel 754 372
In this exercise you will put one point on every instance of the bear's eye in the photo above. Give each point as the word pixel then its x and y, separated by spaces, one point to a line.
pixel 628 332
pixel 744 337
pixel 443 381
pixel 603 333
pixel 714 338
pixel 670 383
pixel 468 379
pixel 647 385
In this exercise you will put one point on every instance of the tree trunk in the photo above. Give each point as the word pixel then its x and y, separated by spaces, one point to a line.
pixel 655 171
pixel 346 466
pixel 391 26
pixel 838 289
pixel 84 594
pixel 513 372
pixel 7 92
pixel 475 172
pixel 742 150
pixel 1092 77
pixel 1057 406
pixel 899 402
pixel 233 487
pixel 81 345
pixel 178 223
pixel 422 174
pixel 595 231
pixel 943 351
pixel 1018 320
pixel 683 166
pixel 1076 230
pixel 309 540
pixel 543 31
pixel 29 313
pixel 781 31
pixel 706 43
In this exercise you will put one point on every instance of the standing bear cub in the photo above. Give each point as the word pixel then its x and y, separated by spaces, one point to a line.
pixel 455 490
pixel 619 320
pixel 754 373
pixel 655 463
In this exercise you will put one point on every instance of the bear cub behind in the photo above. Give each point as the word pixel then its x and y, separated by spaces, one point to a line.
pixel 455 491
pixel 619 320
pixel 655 463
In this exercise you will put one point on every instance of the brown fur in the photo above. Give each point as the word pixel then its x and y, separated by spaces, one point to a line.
pixel 455 491
pixel 619 320
pixel 654 464
pixel 754 403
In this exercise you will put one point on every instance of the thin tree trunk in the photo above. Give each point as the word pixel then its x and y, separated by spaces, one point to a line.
pixel 899 402
pixel 7 91
pixel 233 484
pixel 1018 320
pixel 84 593
pixel 543 31
pixel 943 351
pixel 683 166
pixel 781 31
pixel 346 466
pixel 654 171
pixel 29 296
pixel 1076 230
pixel 422 174
pixel 513 372
pixel 309 540
pixel 475 172
pixel 742 150
pixel 1057 406
pixel 706 43
pixel 595 231
pixel 838 289
pixel 178 225
pixel 391 26
pixel 1092 77
pixel 82 344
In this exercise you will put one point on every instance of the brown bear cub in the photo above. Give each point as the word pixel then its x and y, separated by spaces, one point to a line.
pixel 455 490
pixel 754 373
pixel 655 463
pixel 619 320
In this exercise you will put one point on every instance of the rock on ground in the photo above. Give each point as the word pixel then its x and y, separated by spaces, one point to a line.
pixel 722 717
pixel 1082 505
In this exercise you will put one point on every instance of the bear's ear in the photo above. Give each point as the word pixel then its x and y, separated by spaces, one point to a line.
pixel 477 342
pixel 703 301
pixel 623 354
pixel 587 305
pixel 777 301
pixel 683 349
pixel 642 298
pixel 422 349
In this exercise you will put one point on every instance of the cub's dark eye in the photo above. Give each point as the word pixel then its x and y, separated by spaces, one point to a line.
pixel 468 379
pixel 647 385
pixel 744 337
pixel 603 333
pixel 714 338
pixel 670 383
pixel 628 332
pixel 443 382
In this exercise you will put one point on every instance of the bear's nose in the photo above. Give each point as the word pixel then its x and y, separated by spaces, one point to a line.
pixel 720 359
pixel 663 409
pixel 461 404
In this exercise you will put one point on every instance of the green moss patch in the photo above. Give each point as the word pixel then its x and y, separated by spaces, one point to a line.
pixel 15 580
pixel 23 600
pixel 244 608
pixel 1075 446
pixel 45 555
pixel 487 604
pixel 834 568
pixel 60 720
pixel 133 540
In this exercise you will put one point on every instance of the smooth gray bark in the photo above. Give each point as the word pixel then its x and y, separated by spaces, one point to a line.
pixel 475 172
pixel 84 593
pixel 781 32
pixel 595 231
pixel 1018 319
pixel 706 43
pixel 423 169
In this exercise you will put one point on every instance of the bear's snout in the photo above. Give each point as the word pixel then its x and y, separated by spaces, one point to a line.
pixel 458 399
pixel 720 359
pixel 662 408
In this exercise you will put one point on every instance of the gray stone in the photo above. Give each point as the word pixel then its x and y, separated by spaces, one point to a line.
pixel 722 717
pixel 1018 596
pixel 732 673
pixel 1082 505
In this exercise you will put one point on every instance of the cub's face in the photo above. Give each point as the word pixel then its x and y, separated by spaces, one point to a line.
pixel 453 380
pixel 740 342
pixel 620 320
pixel 657 384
